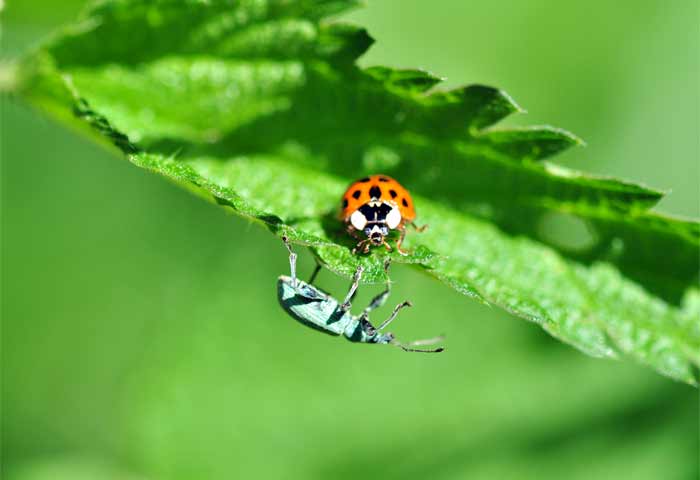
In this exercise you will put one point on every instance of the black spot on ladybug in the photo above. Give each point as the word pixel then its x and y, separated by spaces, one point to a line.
pixel 364 180
pixel 345 203
pixel 393 193
pixel 356 194
pixel 383 179
pixel 404 202
pixel 375 192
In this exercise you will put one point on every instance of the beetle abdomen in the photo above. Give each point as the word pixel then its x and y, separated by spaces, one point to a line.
pixel 311 307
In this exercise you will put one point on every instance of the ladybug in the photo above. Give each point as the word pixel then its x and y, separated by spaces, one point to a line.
pixel 375 205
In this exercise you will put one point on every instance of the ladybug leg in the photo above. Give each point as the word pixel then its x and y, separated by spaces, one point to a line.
pixel 422 228
pixel 402 229
pixel 386 244
pixel 362 246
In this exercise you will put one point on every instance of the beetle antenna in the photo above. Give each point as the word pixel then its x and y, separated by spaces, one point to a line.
pixel 427 341
pixel 419 350
pixel 292 260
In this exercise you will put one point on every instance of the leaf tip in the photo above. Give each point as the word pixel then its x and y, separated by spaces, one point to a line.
pixel 533 142
pixel 514 105
pixel 411 80
pixel 345 40
pixel 573 139
pixel 565 135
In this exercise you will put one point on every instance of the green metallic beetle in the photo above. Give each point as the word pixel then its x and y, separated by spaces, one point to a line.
pixel 320 311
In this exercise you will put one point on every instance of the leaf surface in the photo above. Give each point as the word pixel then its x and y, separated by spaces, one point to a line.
pixel 259 107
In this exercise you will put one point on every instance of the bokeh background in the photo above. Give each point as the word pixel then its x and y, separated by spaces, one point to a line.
pixel 141 334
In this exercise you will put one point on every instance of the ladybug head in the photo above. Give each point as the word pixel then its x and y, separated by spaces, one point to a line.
pixel 376 233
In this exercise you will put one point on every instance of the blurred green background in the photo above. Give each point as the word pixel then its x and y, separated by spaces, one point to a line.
pixel 141 334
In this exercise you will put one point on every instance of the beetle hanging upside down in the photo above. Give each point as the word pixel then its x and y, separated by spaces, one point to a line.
pixel 318 310
pixel 374 206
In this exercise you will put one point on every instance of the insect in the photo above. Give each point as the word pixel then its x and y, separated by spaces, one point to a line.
pixel 375 205
pixel 320 311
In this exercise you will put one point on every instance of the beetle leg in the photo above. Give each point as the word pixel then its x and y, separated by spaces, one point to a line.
pixel 353 288
pixel 292 260
pixel 387 264
pixel 315 272
pixel 394 313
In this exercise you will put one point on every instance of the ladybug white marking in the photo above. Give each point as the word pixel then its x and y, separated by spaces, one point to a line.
pixel 393 218
pixel 358 220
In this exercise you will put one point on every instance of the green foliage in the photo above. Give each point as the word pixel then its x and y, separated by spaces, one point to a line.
pixel 259 107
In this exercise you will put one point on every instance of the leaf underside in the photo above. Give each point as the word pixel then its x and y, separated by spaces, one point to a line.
pixel 258 106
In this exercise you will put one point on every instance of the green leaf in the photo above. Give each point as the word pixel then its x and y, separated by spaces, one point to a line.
pixel 259 107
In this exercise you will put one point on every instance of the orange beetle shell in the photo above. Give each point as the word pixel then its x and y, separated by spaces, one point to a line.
pixel 382 188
